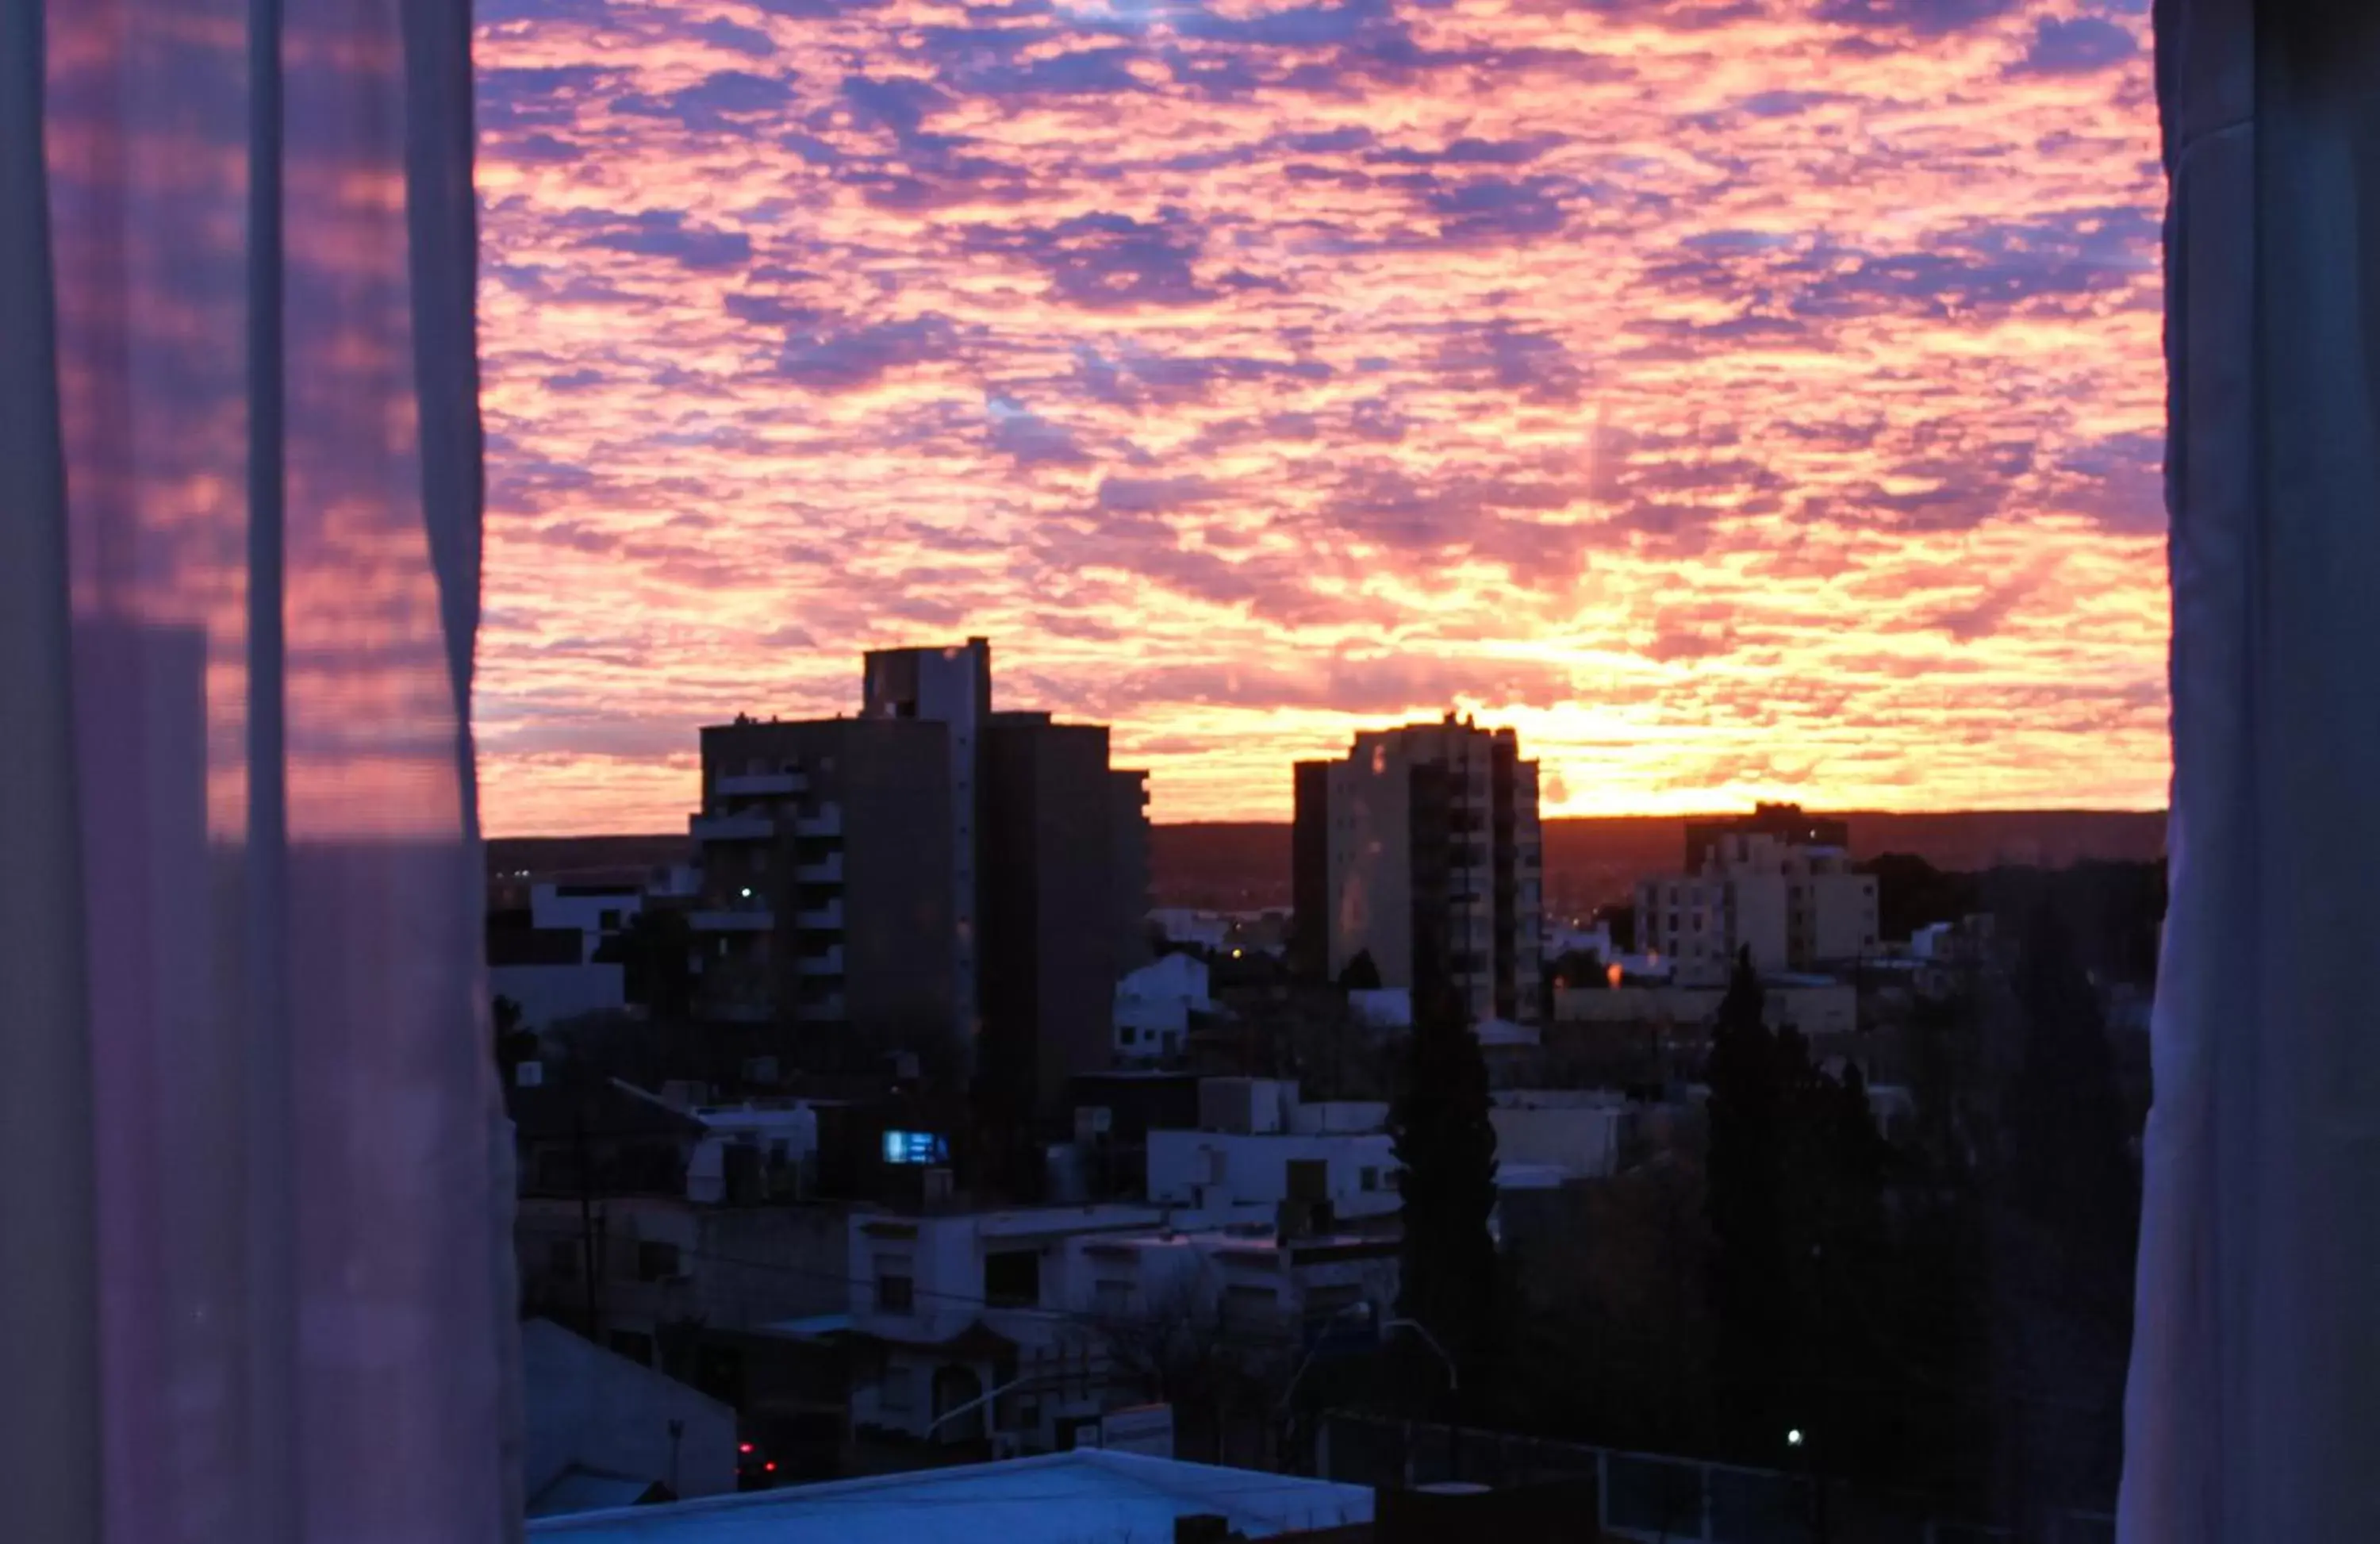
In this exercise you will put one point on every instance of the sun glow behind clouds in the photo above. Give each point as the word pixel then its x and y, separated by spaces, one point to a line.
pixel 1740 398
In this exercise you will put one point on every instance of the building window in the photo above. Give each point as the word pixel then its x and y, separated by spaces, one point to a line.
pixel 656 1262
pixel 1370 1178
pixel 1011 1278
pixel 1111 1299
pixel 895 1292
pixel 896 1390
pixel 1127 1034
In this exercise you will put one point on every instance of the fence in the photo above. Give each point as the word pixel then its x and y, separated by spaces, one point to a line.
pixel 1659 1499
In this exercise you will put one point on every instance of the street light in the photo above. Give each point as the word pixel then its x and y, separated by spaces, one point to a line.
pixel 1793 1438
pixel 1453 1389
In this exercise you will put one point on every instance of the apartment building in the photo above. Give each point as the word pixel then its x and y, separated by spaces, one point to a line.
pixel 1426 856
pixel 827 849
pixel 1793 906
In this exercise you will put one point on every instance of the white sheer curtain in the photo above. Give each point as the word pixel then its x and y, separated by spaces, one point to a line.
pixel 2253 1407
pixel 255 1270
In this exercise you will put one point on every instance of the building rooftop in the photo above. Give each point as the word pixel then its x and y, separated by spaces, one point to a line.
pixel 1028 1221
pixel 608 1110
pixel 1087 1496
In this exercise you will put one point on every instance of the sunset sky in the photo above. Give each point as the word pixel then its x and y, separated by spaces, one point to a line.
pixel 1742 398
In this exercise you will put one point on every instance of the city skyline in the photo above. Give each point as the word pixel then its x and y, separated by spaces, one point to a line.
pixel 1747 400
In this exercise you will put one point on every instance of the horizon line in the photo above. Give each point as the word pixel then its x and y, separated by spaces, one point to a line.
pixel 1543 820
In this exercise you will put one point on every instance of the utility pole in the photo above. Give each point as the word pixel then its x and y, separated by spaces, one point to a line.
pixel 586 1217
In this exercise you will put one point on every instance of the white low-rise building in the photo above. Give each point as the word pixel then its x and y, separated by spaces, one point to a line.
pixel 1249 1285
pixel 754 1152
pixel 595 911
pixel 970 1325
pixel 1155 1004
pixel 1206 930
pixel 1226 1173
pixel 1573 1133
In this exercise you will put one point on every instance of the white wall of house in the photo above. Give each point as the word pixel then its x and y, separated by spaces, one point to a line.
pixel 552 995
pixel 664 1261
pixel 1208 930
pixel 595 916
pixel 787 1136
pixel 1242 1283
pixel 581 1405
pixel 918 1282
pixel 1214 1169
pixel 1579 1140
pixel 1338 1115
pixel 1153 1006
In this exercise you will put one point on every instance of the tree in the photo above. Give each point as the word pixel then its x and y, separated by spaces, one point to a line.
pixel 1447 1146
pixel 2064 1207
pixel 513 1044
pixel 1745 1204
pixel 1360 973
pixel 654 951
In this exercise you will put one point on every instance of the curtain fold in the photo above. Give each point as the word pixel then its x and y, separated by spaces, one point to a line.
pixel 2255 1390
pixel 236 271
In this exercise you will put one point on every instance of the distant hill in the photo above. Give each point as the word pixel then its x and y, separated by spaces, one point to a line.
pixel 1243 866
pixel 584 860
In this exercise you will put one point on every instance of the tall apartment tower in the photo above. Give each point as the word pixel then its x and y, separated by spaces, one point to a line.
pixel 826 852
pixel 1422 849
pixel 943 878
pixel 1128 792
pixel 1309 873
pixel 1062 859
pixel 951 687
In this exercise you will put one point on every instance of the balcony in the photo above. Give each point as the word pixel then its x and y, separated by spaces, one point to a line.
pixel 829 964
pixel 827 918
pixel 732 919
pixel 825 870
pixel 828 822
pixel 748 827
pixel 775 784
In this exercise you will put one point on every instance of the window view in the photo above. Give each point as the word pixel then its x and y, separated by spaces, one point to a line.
pixel 1426 735
pixel 1119 770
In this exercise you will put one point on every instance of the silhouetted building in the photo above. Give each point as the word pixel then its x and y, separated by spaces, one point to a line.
pixel 1433 861
pixel 950 685
pixel 826 850
pixel 1050 862
pixel 1129 790
pixel 940 878
pixel 1309 873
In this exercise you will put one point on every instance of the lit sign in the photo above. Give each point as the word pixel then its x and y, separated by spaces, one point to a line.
pixel 916 1147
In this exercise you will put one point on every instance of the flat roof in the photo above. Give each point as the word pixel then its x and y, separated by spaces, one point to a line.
pixel 1060 1498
